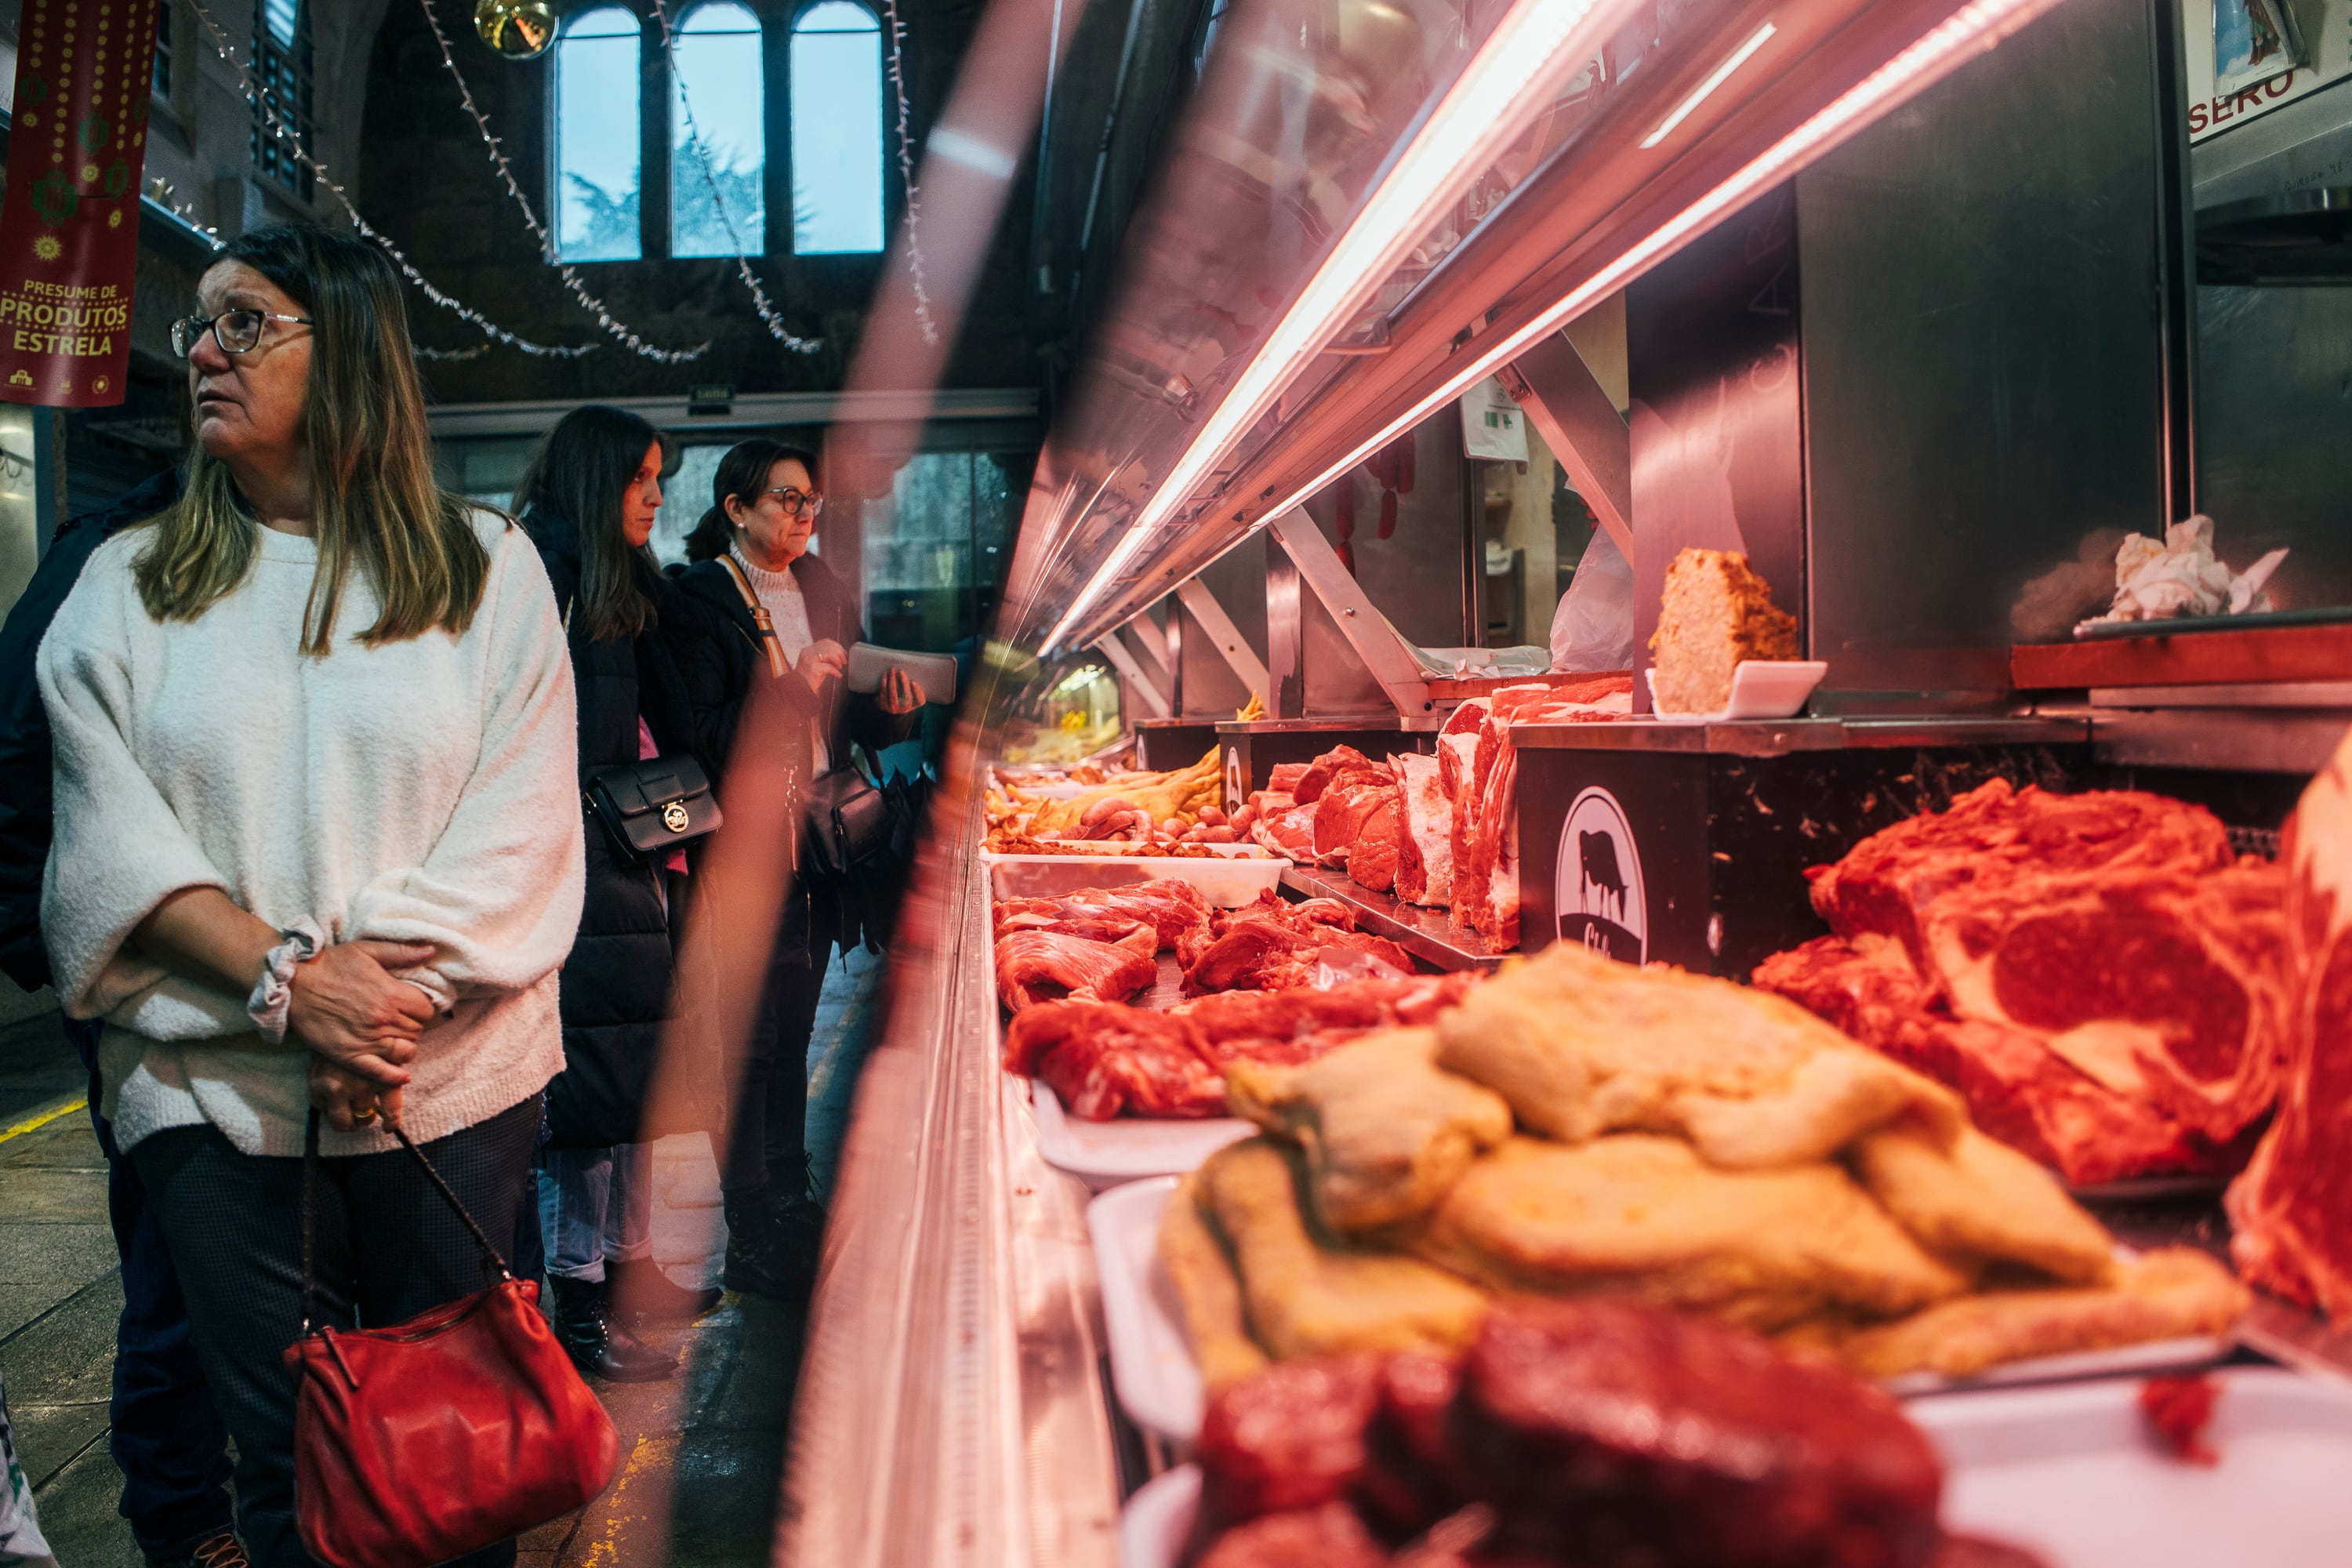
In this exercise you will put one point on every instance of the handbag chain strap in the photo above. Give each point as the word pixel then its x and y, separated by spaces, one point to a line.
pixel 310 1214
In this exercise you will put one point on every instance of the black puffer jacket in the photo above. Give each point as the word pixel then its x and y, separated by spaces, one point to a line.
pixel 25 756
pixel 820 911
pixel 617 983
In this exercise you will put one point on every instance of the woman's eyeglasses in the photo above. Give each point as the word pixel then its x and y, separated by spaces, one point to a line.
pixel 795 502
pixel 237 331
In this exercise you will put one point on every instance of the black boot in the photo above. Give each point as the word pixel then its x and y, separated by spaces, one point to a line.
pixel 765 1254
pixel 595 1345
pixel 646 1295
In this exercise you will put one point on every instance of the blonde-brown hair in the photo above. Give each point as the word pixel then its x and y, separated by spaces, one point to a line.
pixel 375 502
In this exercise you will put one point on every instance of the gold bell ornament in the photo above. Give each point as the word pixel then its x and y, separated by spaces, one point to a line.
pixel 518 29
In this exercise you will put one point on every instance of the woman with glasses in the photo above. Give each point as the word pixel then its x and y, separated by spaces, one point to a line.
pixel 792 623
pixel 317 844
pixel 639 648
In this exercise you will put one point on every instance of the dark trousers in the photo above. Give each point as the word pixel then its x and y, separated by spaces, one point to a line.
pixel 168 1440
pixel 769 1073
pixel 389 1247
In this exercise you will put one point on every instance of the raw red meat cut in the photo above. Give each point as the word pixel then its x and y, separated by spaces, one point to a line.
pixel 2113 928
pixel 2291 1213
pixel 2018 1089
pixel 1424 873
pixel 1284 777
pixel 1043 966
pixel 1290 1436
pixel 1286 830
pixel 1328 1537
pixel 1273 944
pixel 1171 908
pixel 2178 1410
pixel 1103 1059
pixel 1299 1025
pixel 1345 810
pixel 1319 775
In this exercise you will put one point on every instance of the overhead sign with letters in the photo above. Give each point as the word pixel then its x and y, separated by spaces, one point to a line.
pixel 2246 57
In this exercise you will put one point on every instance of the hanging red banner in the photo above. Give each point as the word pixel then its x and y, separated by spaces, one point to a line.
pixel 69 227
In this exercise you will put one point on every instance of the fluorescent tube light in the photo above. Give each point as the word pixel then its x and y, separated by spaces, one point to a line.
pixel 1975 27
pixel 1535 44
pixel 1714 78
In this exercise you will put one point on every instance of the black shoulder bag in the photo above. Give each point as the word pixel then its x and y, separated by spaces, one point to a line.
pixel 650 807
pixel 844 819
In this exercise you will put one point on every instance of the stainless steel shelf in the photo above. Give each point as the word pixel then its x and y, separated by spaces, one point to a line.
pixel 1421 933
pixel 1785 737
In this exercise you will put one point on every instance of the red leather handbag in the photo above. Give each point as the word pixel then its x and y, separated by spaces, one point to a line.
pixel 435 1438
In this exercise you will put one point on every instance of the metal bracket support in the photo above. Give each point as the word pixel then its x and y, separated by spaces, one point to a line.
pixel 1131 673
pixel 1368 632
pixel 1223 635
pixel 1581 426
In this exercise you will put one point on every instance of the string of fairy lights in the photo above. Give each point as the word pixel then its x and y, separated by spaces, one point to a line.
pixel 907 178
pixel 424 285
pixel 547 246
pixel 612 326
pixel 768 316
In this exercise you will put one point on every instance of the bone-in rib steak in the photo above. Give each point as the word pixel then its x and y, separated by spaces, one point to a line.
pixel 2114 930
pixel 2293 1209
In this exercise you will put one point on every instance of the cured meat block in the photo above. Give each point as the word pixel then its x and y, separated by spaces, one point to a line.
pixel 1102 1058
pixel 2112 928
pixel 1714 613
pixel 1589 1433
pixel 1424 873
pixel 1592 1424
pixel 1043 966
pixel 2292 1210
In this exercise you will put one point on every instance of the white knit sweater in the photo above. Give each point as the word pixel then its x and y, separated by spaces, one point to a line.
pixel 424 790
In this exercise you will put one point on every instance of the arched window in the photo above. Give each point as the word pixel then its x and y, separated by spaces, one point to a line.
pixel 837 130
pixel 718 78
pixel 281 111
pixel 598 168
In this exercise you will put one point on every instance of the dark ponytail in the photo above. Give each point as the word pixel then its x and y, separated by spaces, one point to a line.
pixel 582 471
pixel 743 476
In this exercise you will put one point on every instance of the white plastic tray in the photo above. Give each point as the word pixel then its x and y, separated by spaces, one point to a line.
pixel 1126 1148
pixel 1152 1369
pixel 1761 688
pixel 2070 1474
pixel 1230 877
pixel 1155 1359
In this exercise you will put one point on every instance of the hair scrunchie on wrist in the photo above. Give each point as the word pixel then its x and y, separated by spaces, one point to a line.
pixel 273 993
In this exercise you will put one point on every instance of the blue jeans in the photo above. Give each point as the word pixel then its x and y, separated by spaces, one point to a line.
pixel 596 1203
pixel 168 1440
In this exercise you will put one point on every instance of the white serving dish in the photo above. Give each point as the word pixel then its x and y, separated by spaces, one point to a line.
pixel 1761 688
pixel 1152 1369
pixel 1126 1148
pixel 2069 1473
pixel 1161 1368
pixel 1231 876
pixel 2124 1361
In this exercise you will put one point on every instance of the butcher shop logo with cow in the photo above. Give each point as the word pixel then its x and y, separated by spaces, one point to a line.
pixel 1599 897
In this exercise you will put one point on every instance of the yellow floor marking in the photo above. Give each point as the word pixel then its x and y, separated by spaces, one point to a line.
pixel 34 1123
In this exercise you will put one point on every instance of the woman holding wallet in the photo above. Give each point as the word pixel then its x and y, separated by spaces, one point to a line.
pixel 792 623
pixel 317 843
pixel 636 642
